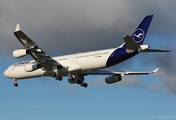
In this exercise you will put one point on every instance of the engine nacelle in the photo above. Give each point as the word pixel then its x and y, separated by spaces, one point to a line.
pixel 73 79
pixel 20 53
pixel 32 67
pixel 113 79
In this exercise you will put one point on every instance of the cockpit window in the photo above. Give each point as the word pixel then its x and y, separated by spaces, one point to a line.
pixel 21 63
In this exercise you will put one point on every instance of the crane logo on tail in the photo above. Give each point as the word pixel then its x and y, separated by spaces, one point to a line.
pixel 138 35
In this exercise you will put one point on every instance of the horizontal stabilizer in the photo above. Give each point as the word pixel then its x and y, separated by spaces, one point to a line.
pixel 154 50
pixel 130 43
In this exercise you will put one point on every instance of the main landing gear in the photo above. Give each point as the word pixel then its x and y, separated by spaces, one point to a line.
pixel 77 79
pixel 57 77
pixel 84 84
pixel 15 84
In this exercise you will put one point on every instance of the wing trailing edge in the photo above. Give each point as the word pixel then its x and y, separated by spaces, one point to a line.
pixel 120 73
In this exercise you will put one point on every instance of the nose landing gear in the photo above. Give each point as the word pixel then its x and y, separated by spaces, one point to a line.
pixel 15 84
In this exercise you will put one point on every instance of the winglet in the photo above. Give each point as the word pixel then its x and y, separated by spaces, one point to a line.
pixel 154 71
pixel 17 27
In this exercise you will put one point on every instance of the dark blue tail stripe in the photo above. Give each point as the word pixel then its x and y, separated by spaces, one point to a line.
pixel 119 55
pixel 138 35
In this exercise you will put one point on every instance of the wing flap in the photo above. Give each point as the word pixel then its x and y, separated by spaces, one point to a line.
pixel 98 72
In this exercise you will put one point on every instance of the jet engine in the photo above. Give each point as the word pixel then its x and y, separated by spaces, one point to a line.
pixel 32 67
pixel 20 53
pixel 113 79
pixel 72 79
pixel 79 79
pixel 75 79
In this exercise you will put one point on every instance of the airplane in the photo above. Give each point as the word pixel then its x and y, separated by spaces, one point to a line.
pixel 76 66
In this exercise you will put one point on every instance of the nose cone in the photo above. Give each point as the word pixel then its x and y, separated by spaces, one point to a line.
pixel 6 73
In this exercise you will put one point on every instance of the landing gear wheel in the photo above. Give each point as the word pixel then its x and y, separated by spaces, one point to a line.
pixel 85 85
pixel 57 77
pixel 79 82
pixel 60 78
pixel 15 84
pixel 53 75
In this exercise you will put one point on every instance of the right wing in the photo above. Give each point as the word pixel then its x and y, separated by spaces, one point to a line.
pixel 38 55
pixel 119 73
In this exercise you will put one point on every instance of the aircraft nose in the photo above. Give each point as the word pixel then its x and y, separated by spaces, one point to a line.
pixel 6 73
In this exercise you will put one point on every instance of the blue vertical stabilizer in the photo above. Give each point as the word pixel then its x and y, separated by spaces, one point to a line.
pixel 139 33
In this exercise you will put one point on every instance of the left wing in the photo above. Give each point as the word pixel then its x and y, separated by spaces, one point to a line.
pixel 38 55
pixel 120 73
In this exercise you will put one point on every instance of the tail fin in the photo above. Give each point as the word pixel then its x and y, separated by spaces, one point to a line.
pixel 139 33
pixel 136 39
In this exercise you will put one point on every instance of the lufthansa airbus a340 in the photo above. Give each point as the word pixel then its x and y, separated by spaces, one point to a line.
pixel 76 66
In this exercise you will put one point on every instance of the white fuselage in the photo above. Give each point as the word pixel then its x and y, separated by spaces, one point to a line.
pixel 74 62
pixel 76 66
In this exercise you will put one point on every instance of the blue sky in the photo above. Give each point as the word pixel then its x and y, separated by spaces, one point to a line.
pixel 72 26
